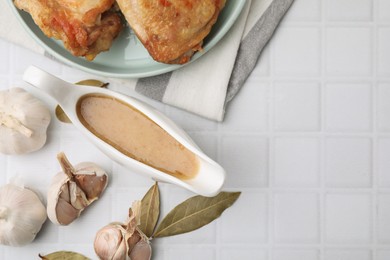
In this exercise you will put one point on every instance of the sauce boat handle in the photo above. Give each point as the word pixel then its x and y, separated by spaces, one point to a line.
pixel 51 85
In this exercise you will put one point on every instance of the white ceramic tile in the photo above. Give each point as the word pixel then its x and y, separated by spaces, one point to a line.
pixel 79 149
pixel 4 83
pixel 348 218
pixel 4 54
pixel 383 218
pixel 49 233
pixel 349 10
pixel 191 253
pixel 208 143
pixel 383 254
pixel 383 107
pixel 301 56
pixel 383 10
pixel 27 252
pixel 3 168
pixel 188 121
pixel 37 168
pixel 295 254
pixel 22 58
pixel 348 107
pixel 304 10
pixel 246 161
pixel 122 177
pixel 262 68
pixel 348 162
pixel 239 253
pixel 123 199
pixel 296 217
pixel 250 111
pixel 253 208
pixel 346 254
pixel 383 51
pixel 383 162
pixel 296 162
pixel 297 106
pixel 348 51
pixel 96 216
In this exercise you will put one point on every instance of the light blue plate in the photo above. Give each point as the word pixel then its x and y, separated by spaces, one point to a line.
pixel 127 58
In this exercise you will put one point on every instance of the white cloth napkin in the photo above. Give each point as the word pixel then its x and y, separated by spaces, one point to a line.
pixel 205 86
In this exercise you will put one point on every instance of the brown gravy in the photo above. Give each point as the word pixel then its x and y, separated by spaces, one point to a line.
pixel 135 135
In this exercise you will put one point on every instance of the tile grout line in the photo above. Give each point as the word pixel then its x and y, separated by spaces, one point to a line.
pixel 322 195
pixel 271 155
pixel 374 154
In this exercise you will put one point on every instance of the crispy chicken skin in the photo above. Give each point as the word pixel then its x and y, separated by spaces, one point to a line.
pixel 171 30
pixel 87 27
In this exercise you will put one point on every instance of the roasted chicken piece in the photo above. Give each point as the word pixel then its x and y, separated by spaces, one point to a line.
pixel 87 27
pixel 171 30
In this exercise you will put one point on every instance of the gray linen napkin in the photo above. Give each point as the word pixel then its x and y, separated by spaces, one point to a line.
pixel 205 86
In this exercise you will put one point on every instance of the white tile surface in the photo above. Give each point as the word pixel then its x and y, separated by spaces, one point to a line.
pixel 295 254
pixel 348 162
pixel 348 218
pixel 383 163
pixel 248 116
pixel 246 160
pixel 348 51
pixel 383 221
pixel 348 254
pixel 349 10
pixel 238 253
pixel 383 51
pixel 383 7
pixel 253 209
pixel 297 162
pixel 383 107
pixel 304 10
pixel 297 106
pixel 301 56
pixel 307 141
pixel 191 253
pixel 296 217
pixel 383 255
pixel 348 107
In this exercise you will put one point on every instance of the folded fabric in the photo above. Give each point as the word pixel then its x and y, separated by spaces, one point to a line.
pixel 205 86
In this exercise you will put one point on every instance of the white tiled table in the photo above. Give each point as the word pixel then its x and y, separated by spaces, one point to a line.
pixel 307 141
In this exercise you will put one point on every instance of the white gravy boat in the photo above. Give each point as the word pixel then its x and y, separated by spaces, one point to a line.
pixel 210 177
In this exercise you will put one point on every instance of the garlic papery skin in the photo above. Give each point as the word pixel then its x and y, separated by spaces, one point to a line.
pixel 23 122
pixel 22 215
pixel 118 241
pixel 74 189
pixel 110 242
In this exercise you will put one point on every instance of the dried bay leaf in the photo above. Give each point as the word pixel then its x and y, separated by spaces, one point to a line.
pixel 194 213
pixel 64 255
pixel 150 210
pixel 61 115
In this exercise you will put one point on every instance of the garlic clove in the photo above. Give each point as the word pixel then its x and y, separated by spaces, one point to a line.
pixel 22 215
pixel 141 251
pixel 78 198
pixel 68 212
pixel 93 180
pixel 110 243
pixel 133 240
pixel 75 187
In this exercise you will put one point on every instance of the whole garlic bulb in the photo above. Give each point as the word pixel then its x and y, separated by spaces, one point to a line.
pixel 74 189
pixel 23 122
pixel 22 215
pixel 118 241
